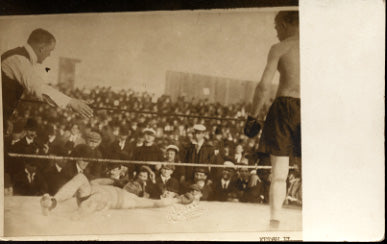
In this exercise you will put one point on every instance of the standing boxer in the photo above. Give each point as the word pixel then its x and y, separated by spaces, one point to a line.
pixel 281 135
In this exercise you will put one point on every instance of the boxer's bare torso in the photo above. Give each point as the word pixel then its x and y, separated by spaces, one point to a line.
pixel 289 67
pixel 283 57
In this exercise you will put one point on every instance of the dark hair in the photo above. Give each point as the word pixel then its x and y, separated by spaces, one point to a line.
pixel 83 150
pixel 142 169
pixel 40 36
pixel 289 17
pixel 31 125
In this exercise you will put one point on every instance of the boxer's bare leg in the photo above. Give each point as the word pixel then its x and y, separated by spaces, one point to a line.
pixel 280 170
pixel 79 183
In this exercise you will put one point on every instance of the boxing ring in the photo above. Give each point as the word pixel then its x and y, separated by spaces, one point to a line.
pixel 23 217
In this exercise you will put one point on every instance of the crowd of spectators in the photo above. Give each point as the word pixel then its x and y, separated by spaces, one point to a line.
pixel 37 128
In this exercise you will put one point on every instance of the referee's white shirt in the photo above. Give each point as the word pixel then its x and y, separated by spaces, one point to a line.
pixel 19 68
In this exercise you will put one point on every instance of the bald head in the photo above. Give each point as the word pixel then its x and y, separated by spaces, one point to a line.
pixel 42 42
pixel 40 36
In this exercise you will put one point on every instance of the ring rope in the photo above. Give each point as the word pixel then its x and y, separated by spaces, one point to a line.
pixel 103 160
pixel 150 112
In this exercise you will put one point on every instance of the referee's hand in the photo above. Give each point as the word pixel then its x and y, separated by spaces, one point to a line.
pixel 81 107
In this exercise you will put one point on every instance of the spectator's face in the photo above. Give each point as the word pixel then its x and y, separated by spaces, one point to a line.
pixel 171 155
pixel 239 149
pixel 61 163
pixel 226 174
pixel 143 176
pixel 149 138
pixel 75 130
pixel 166 172
pixel 31 168
pixel 244 173
pixel 115 173
pixel 82 164
pixel 116 131
pixel 44 51
pixel 31 134
pixel 199 176
pixel 199 135
pixel 122 138
pixel 93 144
pixel 226 151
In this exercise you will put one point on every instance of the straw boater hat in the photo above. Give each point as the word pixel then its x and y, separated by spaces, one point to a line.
pixel 199 127
pixel 228 163
pixel 149 131
pixel 172 147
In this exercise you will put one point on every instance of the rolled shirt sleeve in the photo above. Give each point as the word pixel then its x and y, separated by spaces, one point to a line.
pixel 20 68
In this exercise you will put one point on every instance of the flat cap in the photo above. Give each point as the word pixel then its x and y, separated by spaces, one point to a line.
pixel 93 136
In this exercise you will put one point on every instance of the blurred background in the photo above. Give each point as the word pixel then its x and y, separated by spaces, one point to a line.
pixel 218 54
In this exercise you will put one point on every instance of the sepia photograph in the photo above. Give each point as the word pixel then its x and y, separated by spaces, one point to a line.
pixel 184 122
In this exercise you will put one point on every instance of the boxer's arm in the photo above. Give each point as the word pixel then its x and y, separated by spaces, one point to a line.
pixel 263 88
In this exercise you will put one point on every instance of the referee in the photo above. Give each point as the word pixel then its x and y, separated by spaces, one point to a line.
pixel 18 75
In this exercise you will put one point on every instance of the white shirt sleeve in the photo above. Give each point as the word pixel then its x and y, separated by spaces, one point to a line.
pixel 19 68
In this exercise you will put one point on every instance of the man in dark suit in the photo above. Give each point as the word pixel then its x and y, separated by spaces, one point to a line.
pixel 27 145
pixel 79 166
pixel 29 182
pixel 140 186
pixel 224 187
pixel 249 186
pixel 149 151
pixel 93 140
pixel 200 180
pixel 164 183
pixel 54 175
pixel 121 148
pixel 199 152
pixel 18 132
